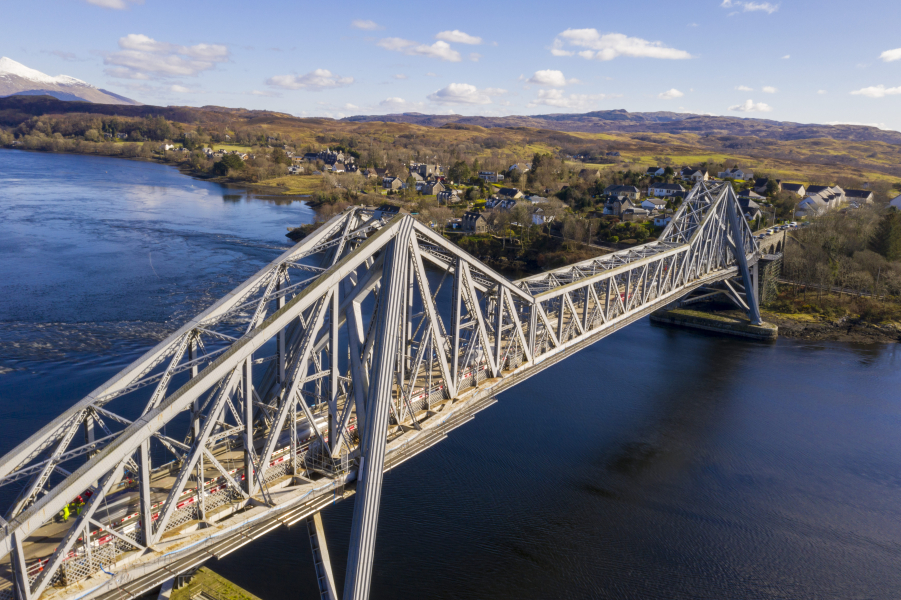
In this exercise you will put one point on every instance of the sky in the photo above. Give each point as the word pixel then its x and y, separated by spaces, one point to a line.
pixel 824 61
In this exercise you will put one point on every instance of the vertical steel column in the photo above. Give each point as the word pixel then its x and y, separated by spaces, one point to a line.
pixel 144 485
pixel 334 373
pixel 196 405
pixel 321 559
pixel 280 337
pixel 738 236
pixel 455 329
pixel 248 426
pixel 20 569
pixel 369 479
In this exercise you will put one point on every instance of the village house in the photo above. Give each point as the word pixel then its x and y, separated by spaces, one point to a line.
pixel 474 222
pixel 653 204
pixel 635 214
pixel 432 188
pixel 392 183
pixel 663 219
pixel 655 171
pixel 795 188
pixel 622 191
pixel 510 193
pixel 295 170
pixel 693 174
pixel 615 206
pixel 665 189
pixel 448 197
pixel 859 197
pixel 749 208
pixel 539 217
pixel 736 174
pixel 761 185
pixel 491 176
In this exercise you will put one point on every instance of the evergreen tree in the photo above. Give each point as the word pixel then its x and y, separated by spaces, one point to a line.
pixel 887 239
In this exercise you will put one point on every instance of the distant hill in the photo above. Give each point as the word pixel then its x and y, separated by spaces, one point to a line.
pixel 654 122
pixel 18 80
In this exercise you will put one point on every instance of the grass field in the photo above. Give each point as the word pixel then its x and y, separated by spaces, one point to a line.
pixel 296 184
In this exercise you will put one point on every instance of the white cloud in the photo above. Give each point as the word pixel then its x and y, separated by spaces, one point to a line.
pixel 142 57
pixel 400 76
pixel 264 93
pixel 475 56
pixel 821 92
pixel 365 24
pixel 464 93
pixel 123 73
pixel 768 89
pixel 744 88
pixel 179 89
pixel 891 55
pixel 114 4
pixel 430 74
pixel 877 91
pixel 611 45
pixel 751 6
pixel 751 106
pixel 439 49
pixel 670 94
pixel 550 78
pixel 786 57
pixel 458 37
pixel 320 79
pixel 558 99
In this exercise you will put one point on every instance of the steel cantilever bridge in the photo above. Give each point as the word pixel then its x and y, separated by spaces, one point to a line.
pixel 339 360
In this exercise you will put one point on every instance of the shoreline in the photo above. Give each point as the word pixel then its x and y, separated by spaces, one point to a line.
pixel 806 327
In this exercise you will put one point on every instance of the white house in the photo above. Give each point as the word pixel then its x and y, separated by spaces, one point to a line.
pixel 167 147
pixel 795 188
pixel 663 219
pixel 539 218
pixel 654 171
pixel 665 189
pixel 654 203
pixel 736 173
pixel 491 176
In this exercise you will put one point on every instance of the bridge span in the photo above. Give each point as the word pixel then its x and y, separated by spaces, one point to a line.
pixel 363 345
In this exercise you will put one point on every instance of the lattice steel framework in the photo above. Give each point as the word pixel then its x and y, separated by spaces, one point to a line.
pixel 344 349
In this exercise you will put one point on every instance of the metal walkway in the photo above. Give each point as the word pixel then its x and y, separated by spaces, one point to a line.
pixel 340 360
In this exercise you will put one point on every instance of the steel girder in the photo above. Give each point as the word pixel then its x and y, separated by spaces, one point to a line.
pixel 314 375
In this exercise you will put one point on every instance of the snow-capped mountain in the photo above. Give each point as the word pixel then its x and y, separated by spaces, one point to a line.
pixel 17 79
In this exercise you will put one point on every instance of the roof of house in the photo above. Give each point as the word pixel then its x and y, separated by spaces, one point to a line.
pixel 656 201
pixel 652 170
pixel 668 186
pixel 508 191
pixel 761 182
pixel 474 216
pixel 858 193
pixel 630 189
pixel 749 194
pixel 816 189
pixel 792 187
pixel 748 204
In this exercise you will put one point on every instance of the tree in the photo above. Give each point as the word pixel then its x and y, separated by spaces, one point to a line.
pixel 887 238
pixel 459 171
pixel 229 162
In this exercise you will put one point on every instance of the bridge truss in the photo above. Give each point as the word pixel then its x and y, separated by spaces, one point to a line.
pixel 357 348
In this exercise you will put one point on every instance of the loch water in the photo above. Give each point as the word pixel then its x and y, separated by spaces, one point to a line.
pixel 658 463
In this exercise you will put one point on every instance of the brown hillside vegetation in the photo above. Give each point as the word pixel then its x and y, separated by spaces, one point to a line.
pixel 849 155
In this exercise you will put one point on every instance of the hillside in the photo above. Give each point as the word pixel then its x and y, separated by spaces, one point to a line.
pixel 655 122
pixel 18 80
